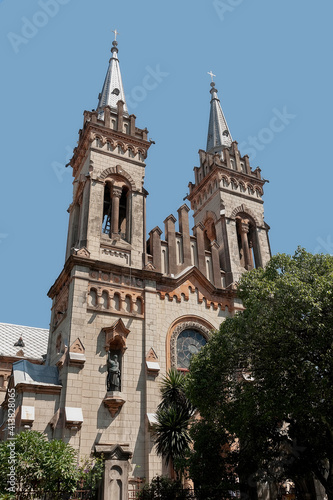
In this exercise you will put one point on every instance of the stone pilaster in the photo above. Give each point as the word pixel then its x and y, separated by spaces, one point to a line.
pixel 199 232
pixel 185 231
pixel 120 112
pixel 216 264
pixel 155 248
pixel 170 237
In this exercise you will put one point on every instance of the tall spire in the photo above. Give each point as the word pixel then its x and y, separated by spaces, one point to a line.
pixel 219 136
pixel 113 90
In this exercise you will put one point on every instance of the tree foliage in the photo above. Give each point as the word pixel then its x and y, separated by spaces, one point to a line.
pixel 173 416
pixel 164 488
pixel 37 465
pixel 266 376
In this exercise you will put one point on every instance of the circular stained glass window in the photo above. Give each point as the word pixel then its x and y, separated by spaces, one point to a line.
pixel 189 342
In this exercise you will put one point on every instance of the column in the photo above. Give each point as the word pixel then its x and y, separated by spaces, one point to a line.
pixel 243 226
pixel 116 194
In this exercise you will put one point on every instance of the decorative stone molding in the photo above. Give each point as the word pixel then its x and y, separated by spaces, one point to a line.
pixel 113 402
pixel 113 300
pixel 119 279
pixel 152 364
pixel 116 336
pixel 82 252
pixel 116 253
pixel 244 209
pixel 178 329
pixel 76 354
pixel 150 267
pixel 113 451
pixel 118 170
pixel 191 286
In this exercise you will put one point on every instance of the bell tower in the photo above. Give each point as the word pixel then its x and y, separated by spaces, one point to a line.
pixel 107 215
pixel 226 198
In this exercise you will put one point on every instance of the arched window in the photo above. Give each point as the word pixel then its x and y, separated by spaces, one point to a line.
pixel 189 342
pixel 187 339
pixel 116 301
pixel 248 243
pixel 92 298
pixel 116 211
pixel 105 300
pixel 123 213
pixel 210 232
pixel 107 208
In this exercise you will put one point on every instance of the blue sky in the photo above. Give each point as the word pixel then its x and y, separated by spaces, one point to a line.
pixel 271 59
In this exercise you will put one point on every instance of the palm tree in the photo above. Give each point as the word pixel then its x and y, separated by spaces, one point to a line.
pixel 173 417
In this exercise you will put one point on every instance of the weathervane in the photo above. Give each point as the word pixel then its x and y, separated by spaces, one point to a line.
pixel 211 74
pixel 115 34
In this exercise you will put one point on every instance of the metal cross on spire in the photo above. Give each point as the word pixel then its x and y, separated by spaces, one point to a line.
pixel 211 74
pixel 115 34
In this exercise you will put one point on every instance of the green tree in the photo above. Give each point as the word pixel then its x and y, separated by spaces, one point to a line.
pixel 173 416
pixel 266 376
pixel 37 465
pixel 210 461
pixel 164 488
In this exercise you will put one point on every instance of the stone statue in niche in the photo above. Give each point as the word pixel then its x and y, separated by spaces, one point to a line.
pixel 113 380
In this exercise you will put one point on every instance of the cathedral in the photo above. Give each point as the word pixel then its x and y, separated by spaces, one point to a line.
pixel 131 302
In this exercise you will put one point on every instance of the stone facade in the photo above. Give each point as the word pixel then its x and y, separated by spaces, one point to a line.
pixel 150 303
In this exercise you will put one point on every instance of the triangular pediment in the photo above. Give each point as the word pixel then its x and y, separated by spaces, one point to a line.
pixel 83 252
pixel 191 280
pixel 77 347
pixel 151 356
pixel 116 335
pixel 113 451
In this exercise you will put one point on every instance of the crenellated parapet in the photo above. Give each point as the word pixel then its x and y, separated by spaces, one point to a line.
pixel 227 170
pixel 114 131
pixel 181 250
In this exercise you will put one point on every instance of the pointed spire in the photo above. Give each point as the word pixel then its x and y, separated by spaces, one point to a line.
pixel 219 136
pixel 113 90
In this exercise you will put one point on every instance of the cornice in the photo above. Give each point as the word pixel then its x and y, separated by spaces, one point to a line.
pixel 143 274
pixel 85 139
pixel 12 359
pixel 39 389
pixel 118 157
pixel 221 169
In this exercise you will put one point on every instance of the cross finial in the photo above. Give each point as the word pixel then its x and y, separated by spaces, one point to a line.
pixel 115 34
pixel 211 74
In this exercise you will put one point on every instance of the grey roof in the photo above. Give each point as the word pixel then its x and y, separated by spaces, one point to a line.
pixel 34 339
pixel 28 373
pixel 113 90
pixel 219 135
